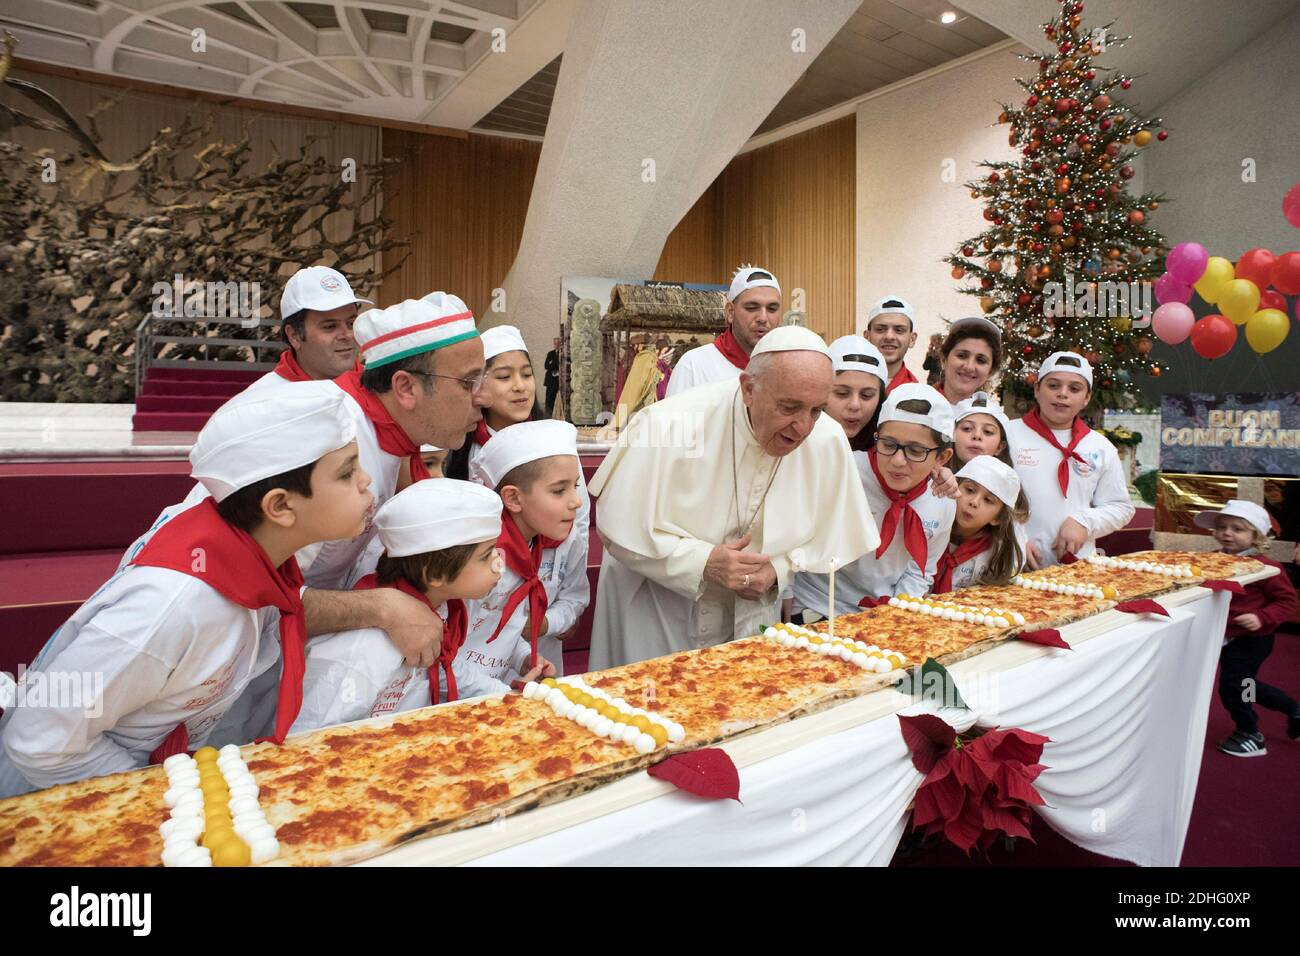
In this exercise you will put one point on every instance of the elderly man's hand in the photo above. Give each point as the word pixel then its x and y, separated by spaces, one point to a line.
pixel 732 567
pixel 759 584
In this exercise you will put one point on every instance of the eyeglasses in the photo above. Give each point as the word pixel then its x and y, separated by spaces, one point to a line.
pixel 470 385
pixel 889 448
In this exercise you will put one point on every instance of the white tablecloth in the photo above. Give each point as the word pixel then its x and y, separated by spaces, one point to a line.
pixel 1126 712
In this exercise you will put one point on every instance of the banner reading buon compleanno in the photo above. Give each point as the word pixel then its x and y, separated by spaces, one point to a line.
pixel 1240 434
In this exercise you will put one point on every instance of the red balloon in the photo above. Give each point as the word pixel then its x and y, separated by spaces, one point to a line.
pixel 1286 273
pixel 1271 299
pixel 1257 266
pixel 1213 337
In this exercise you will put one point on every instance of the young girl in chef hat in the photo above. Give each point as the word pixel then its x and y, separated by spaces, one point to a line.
pixel 512 388
pixel 440 547
pixel 981 429
pixel 987 543
pixel 858 390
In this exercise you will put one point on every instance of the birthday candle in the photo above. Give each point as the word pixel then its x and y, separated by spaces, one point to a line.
pixel 831 609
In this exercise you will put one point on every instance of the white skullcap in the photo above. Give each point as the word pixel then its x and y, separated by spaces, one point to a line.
pixel 1075 363
pixel 436 514
pixel 1248 511
pixel 750 277
pixel 939 416
pixel 981 403
pixel 790 338
pixel 975 322
pixel 500 339
pixel 853 353
pixel 997 476
pixel 411 327
pixel 318 288
pixel 519 444
pixel 891 303
pixel 251 438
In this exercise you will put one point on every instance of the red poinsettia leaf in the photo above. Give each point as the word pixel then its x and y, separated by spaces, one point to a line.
pixel 1049 636
pixel 1069 558
pixel 1017 745
pixel 927 737
pixel 709 772
pixel 1141 606
pixel 965 830
pixel 1224 585
pixel 996 818
pixel 1014 787
pixel 949 796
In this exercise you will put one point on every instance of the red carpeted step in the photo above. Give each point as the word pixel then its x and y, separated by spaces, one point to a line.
pixel 196 371
pixel 179 403
pixel 169 421
pixel 190 386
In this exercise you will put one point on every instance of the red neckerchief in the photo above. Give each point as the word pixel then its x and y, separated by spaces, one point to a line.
pixel 524 561
pixel 453 631
pixel 392 437
pixel 289 369
pixel 903 377
pixel 236 567
pixel 1078 431
pixel 900 506
pixel 731 351
pixel 953 558
pixel 481 433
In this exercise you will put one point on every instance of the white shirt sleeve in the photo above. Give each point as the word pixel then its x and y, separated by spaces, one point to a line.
pixel 344 677
pixel 1111 507
pixel 471 681
pixel 683 375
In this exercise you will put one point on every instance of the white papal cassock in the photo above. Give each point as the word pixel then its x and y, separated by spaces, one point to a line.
pixel 667 496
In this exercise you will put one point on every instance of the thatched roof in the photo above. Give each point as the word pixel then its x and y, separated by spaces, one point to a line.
pixel 655 308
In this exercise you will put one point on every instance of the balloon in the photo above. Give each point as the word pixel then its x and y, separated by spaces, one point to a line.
pixel 1186 262
pixel 1169 289
pixel 1239 300
pixel 1291 205
pixel 1267 329
pixel 1213 337
pixel 1213 283
pixel 1272 299
pixel 1257 266
pixel 1172 322
pixel 1286 273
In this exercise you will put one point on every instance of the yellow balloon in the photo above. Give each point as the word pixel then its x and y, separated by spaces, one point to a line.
pixel 1267 329
pixel 1239 300
pixel 1212 283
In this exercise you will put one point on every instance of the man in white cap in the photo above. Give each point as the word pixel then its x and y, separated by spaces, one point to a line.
pixel 209 604
pixel 891 327
pixel 1070 474
pixel 753 309
pixel 711 496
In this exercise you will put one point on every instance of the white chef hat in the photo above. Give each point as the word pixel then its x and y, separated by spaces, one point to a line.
pixel 412 327
pixel 1248 511
pixel 791 338
pixel 318 288
pixel 436 514
pixel 981 403
pixel 853 353
pixel 939 416
pixel 519 444
pixel 500 339
pixel 256 437
pixel 891 303
pixel 975 322
pixel 997 476
pixel 1066 362
pixel 751 277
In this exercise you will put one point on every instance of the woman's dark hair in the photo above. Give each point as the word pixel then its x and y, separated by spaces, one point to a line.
pixel 243 509
pixel 985 335
pixel 457 463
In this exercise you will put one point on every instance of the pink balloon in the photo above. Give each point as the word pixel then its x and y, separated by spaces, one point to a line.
pixel 1173 322
pixel 1169 289
pixel 1291 205
pixel 1186 262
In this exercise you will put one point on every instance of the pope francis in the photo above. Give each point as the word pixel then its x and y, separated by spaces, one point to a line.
pixel 711 496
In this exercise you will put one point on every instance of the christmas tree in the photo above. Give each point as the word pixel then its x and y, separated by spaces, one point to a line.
pixel 1067 245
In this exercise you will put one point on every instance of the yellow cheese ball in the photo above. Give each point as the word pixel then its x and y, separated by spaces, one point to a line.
pixel 231 852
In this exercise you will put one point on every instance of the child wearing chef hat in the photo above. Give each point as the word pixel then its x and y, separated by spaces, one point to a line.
pixel 987 543
pixel 1241 528
pixel 207 605
pixel 543 590
pixel 439 537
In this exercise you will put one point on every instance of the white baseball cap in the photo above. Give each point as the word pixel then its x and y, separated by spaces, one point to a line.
pixel 853 353
pixel 751 277
pixel 436 514
pixel 1248 511
pixel 1073 363
pixel 975 322
pixel 891 303
pixel 981 403
pixel 997 476
pixel 318 288
pixel 939 416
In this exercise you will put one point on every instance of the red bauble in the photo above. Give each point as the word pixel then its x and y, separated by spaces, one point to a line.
pixel 1112 149
pixel 1090 75
pixel 1062 169
pixel 1104 125
pixel 1136 217
pixel 1037 247
pixel 1162 136
pixel 1092 357
pixel 986 283
pixel 968 250
pixel 1054 216
pixel 1027 350
pixel 1126 83
pixel 988 214
pixel 994 177
pixel 1032 101
pixel 1101 102
pixel 1024 299
pixel 1119 348
pixel 1126 172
